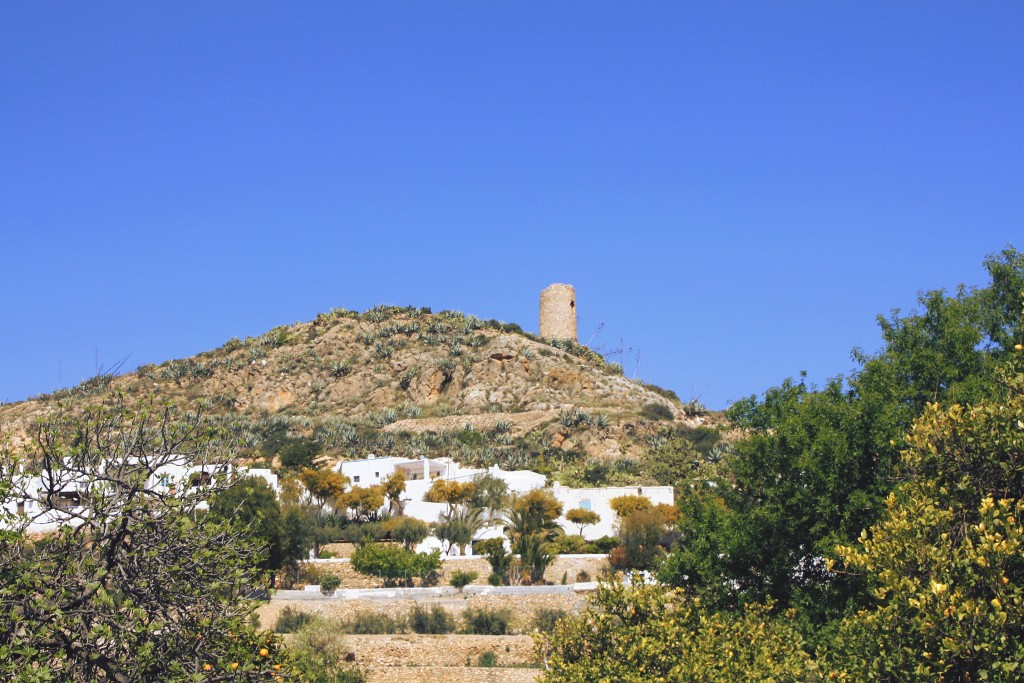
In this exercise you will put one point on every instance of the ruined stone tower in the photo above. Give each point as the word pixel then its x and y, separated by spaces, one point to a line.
pixel 558 312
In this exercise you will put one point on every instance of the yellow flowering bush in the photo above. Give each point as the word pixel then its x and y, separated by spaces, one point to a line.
pixel 646 633
pixel 947 559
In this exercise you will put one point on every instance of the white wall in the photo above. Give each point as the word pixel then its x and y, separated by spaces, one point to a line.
pixel 599 500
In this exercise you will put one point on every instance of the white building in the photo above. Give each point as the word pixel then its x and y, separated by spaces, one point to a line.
pixel 46 503
pixel 599 500
pixel 420 475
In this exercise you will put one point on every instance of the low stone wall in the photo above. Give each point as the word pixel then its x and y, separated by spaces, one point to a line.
pixel 570 566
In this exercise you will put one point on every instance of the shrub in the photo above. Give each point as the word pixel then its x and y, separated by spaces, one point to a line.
pixel 394 563
pixel 661 391
pixel 461 579
pixel 319 649
pixel 329 583
pixel 487 622
pixel 310 574
pixel 694 408
pixel 488 659
pixel 291 620
pixel 408 376
pixel 370 622
pixel 436 620
pixel 575 418
pixel 545 619
pixel 640 630
pixel 656 411
pixel 364 532
pixel 603 545
pixel 298 452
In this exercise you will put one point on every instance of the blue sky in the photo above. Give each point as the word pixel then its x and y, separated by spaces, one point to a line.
pixel 736 189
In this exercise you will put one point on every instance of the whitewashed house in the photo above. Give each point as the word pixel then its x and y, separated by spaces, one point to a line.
pixel 599 500
pixel 420 475
pixel 44 503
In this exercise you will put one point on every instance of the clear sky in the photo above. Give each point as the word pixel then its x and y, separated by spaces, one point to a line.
pixel 736 189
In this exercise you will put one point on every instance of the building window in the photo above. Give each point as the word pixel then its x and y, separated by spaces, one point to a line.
pixel 355 480
pixel 585 504
pixel 21 507
pixel 377 474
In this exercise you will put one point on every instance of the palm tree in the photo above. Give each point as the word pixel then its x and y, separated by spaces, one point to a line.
pixel 459 526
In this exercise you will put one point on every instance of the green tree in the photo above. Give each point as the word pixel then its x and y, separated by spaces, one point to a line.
pixel 251 504
pixel 458 527
pixel 326 486
pixel 298 452
pixel 298 536
pixel 582 518
pixel 499 558
pixel 408 531
pixel 816 465
pixel 490 494
pixel 946 562
pixel 530 526
pixel 138 585
pixel 364 502
pixel 395 564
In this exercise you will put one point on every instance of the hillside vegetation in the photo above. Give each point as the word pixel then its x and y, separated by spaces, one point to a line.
pixel 406 381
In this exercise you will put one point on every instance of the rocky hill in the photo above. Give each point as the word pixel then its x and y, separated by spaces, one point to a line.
pixel 403 381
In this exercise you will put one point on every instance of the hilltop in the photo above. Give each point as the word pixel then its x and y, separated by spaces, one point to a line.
pixel 407 381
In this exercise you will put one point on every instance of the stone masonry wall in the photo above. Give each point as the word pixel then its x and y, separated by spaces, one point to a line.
pixel 558 312
pixel 524 607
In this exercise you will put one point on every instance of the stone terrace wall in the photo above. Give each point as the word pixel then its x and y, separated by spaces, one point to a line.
pixel 524 607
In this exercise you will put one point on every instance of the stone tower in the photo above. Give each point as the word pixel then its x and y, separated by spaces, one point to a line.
pixel 558 312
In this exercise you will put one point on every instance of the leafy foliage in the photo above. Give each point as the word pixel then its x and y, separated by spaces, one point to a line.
pixel 582 518
pixel 394 564
pixel 487 622
pixel 252 504
pixel 817 465
pixel 408 531
pixel 139 586
pixel 647 633
pixel 457 527
pixel 946 562
pixel 657 411
pixel 460 579
pixel 435 620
